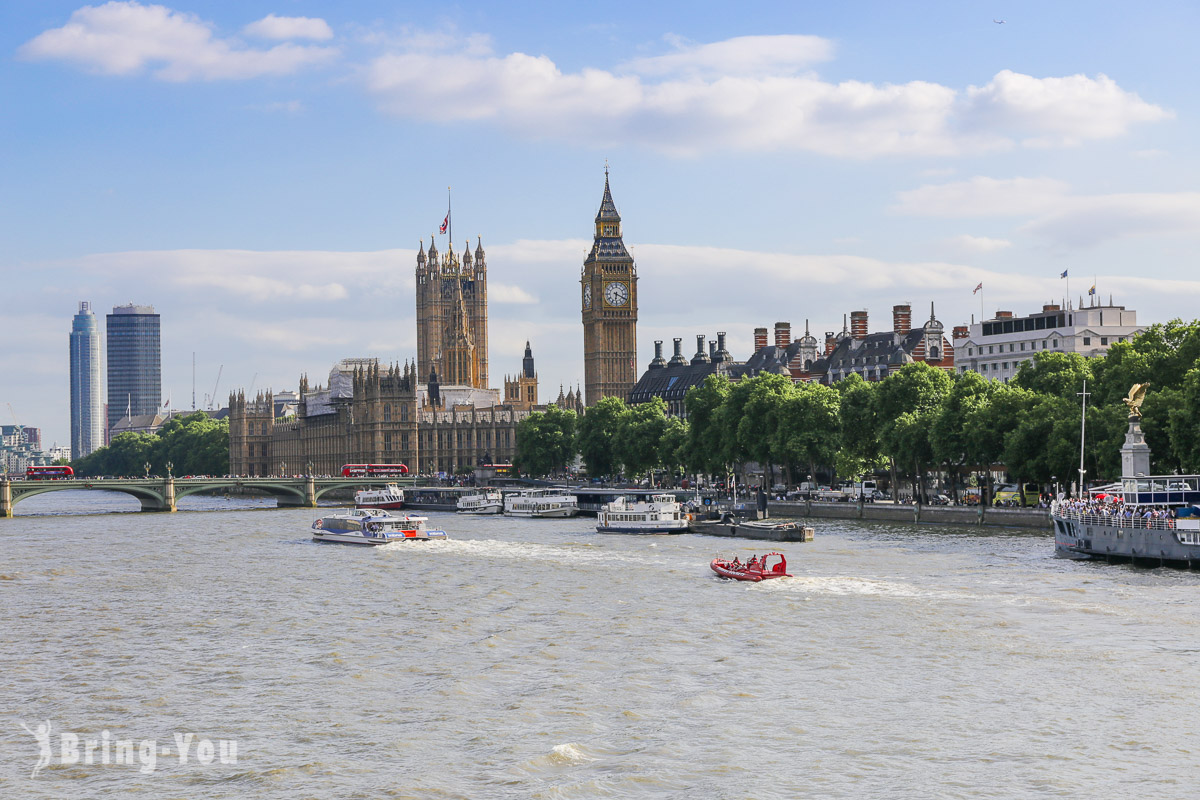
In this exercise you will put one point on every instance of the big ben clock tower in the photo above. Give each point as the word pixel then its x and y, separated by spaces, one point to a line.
pixel 609 303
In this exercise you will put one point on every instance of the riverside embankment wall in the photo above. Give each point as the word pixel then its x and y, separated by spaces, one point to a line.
pixel 1037 518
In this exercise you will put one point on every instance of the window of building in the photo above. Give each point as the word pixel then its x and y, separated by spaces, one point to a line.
pixel 1103 340
pixel 970 352
pixel 1006 365
pixel 1022 345
pixel 1056 344
pixel 991 349
pixel 387 412
pixel 1087 340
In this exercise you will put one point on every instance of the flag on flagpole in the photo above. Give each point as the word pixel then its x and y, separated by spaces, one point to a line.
pixel 1064 274
pixel 1092 290
pixel 445 223
pixel 977 288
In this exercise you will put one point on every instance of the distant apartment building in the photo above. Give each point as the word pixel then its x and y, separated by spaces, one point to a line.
pixel 87 404
pixel 995 348
pixel 134 363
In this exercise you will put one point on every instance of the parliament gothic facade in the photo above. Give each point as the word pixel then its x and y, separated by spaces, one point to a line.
pixel 434 415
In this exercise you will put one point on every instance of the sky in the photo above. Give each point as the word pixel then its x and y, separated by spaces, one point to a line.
pixel 264 172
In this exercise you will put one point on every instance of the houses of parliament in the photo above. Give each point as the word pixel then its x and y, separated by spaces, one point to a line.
pixel 437 413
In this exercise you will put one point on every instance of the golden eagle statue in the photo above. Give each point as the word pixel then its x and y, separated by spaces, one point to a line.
pixel 1136 396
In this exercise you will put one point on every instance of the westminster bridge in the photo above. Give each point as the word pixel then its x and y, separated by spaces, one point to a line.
pixel 161 494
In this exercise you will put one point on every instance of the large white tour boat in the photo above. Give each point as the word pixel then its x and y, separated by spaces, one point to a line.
pixel 1146 519
pixel 541 503
pixel 372 526
pixel 660 513
pixel 389 498
pixel 489 501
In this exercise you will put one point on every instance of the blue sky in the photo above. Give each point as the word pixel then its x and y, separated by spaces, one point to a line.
pixel 263 172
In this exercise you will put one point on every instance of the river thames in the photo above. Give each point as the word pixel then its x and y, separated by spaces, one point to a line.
pixel 538 659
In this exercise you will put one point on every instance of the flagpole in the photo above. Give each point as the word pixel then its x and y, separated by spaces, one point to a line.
pixel 449 224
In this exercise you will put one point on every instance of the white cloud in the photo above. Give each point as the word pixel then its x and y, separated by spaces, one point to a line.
pixel 1087 221
pixel 515 295
pixel 977 244
pixel 1047 111
pixel 748 93
pixel 741 55
pixel 273 27
pixel 127 38
pixel 983 197
pixel 261 276
pixel 1055 214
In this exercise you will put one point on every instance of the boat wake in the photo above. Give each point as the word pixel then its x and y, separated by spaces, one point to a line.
pixel 568 552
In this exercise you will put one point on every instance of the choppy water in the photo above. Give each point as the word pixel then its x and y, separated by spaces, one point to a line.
pixel 537 659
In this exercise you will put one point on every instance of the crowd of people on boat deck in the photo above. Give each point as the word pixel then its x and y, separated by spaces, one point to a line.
pixel 1115 507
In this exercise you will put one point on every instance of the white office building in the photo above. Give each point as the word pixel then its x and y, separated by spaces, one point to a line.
pixel 995 348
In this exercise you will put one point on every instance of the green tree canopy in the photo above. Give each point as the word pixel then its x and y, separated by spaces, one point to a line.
pixel 1056 374
pixel 808 431
pixel 596 436
pixel 704 402
pixel 640 437
pixel 546 441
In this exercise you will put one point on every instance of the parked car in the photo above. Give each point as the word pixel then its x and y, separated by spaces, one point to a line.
pixel 940 500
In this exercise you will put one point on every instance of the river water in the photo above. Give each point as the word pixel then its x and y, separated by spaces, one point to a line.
pixel 538 659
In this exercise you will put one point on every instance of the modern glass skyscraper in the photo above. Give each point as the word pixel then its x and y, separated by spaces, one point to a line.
pixel 87 414
pixel 134 362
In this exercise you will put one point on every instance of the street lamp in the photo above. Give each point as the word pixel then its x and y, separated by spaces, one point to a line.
pixel 283 469
pixel 309 466
pixel 1055 479
pixel 170 467
pixel 146 466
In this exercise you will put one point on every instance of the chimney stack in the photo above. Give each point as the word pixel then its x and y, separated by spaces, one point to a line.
pixel 783 334
pixel 658 361
pixel 1003 315
pixel 961 331
pixel 858 324
pixel 712 349
pixel 678 357
pixel 760 339
pixel 902 319
pixel 830 342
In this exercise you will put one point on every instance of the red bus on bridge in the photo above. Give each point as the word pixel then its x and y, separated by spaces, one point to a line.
pixel 49 473
pixel 373 470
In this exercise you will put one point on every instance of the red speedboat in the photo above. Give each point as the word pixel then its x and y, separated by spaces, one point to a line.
pixel 756 569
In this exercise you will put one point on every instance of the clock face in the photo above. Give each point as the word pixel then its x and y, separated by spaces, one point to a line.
pixel 616 294
pixel 587 296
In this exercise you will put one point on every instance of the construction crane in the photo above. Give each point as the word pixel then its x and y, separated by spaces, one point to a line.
pixel 212 399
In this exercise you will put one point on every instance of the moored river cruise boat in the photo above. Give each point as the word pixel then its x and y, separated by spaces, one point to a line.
pixel 659 513
pixel 1147 519
pixel 541 503
pixel 389 498
pixel 372 526
pixel 486 502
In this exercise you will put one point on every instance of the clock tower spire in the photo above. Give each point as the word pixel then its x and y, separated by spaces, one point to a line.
pixel 609 307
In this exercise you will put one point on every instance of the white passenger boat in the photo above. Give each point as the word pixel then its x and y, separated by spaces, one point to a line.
pixel 372 526
pixel 389 497
pixel 541 503
pixel 660 513
pixel 489 501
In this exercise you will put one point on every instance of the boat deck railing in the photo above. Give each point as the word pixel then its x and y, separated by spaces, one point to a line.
pixel 1117 520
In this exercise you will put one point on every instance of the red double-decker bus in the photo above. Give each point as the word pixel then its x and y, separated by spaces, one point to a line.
pixel 49 473
pixel 374 470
